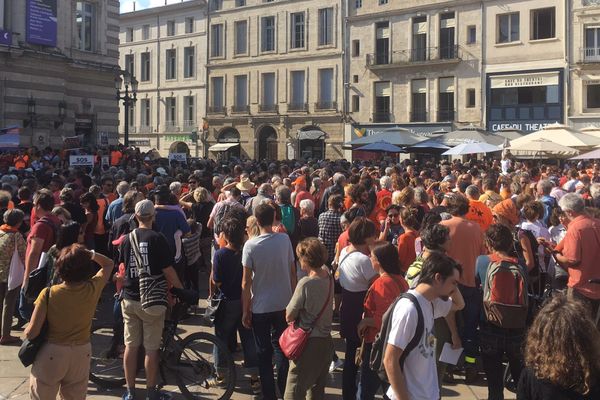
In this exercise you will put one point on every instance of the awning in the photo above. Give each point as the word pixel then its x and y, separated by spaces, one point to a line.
pixel 311 135
pixel 222 146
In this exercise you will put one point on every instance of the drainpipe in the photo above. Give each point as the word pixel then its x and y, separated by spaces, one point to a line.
pixel 568 56
pixel 345 57
pixel 206 81
pixel 157 81
pixel 483 89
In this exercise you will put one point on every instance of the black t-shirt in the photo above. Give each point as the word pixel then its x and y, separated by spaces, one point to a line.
pixel 201 213
pixel 531 388
pixel 77 212
pixel 227 270
pixel 154 257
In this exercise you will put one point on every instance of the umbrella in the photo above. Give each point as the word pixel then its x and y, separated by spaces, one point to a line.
pixel 560 134
pixel 381 146
pixel 510 133
pixel 430 144
pixel 542 147
pixel 592 155
pixel 468 134
pixel 591 130
pixel 395 136
pixel 471 148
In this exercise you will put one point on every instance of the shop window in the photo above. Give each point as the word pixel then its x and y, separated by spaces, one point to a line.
pixel 543 23
pixel 593 96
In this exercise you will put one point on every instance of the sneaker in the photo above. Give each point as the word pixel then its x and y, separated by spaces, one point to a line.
pixel 215 381
pixel 127 396
pixel 255 386
pixel 336 365
pixel 158 395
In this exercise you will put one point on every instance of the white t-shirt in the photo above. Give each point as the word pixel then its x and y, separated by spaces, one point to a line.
pixel 356 271
pixel 420 372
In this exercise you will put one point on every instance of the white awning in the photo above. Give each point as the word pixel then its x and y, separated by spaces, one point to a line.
pixel 311 135
pixel 222 146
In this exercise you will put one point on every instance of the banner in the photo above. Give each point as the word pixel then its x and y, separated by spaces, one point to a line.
pixel 9 137
pixel 181 157
pixel 73 142
pixel 41 22
pixel 81 161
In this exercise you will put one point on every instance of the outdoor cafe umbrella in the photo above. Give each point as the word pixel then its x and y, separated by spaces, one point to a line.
pixel 395 136
pixel 468 134
pixel 591 130
pixel 381 146
pixel 471 148
pixel 542 147
pixel 560 134
pixel 592 155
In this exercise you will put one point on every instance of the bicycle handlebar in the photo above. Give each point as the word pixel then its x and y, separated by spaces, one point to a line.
pixel 186 295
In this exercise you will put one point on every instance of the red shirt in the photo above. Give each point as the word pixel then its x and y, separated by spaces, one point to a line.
pixel 302 195
pixel 44 231
pixel 406 249
pixel 582 243
pixel 382 293
pixel 466 244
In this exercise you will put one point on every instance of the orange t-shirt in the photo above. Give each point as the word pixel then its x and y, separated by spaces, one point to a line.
pixel 406 249
pixel 382 293
pixel 100 229
pixel 582 243
pixel 480 213
pixel 466 244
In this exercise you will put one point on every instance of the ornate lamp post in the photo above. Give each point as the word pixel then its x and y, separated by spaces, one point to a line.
pixel 129 97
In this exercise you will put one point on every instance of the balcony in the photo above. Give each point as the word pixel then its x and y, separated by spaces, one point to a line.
pixel 216 109
pixel 445 115
pixel 418 116
pixel 589 55
pixel 171 126
pixel 326 105
pixel 382 117
pixel 240 109
pixel 412 57
pixel 268 108
pixel 302 107
pixel 189 123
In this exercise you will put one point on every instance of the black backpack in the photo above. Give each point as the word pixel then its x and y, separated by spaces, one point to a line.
pixel 380 343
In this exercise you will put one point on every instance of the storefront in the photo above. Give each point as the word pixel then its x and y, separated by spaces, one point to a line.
pixel 228 145
pixel 311 143
pixel 527 101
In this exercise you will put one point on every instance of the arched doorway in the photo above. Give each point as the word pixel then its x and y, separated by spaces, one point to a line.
pixel 231 138
pixel 311 143
pixel 179 147
pixel 267 143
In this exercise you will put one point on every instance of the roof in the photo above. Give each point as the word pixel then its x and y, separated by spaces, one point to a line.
pixel 184 5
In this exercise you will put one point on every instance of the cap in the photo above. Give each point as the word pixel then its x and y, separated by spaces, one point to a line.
pixel 144 208
pixel 300 179
pixel 161 171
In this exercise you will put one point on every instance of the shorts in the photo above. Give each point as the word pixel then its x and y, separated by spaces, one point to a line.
pixel 143 326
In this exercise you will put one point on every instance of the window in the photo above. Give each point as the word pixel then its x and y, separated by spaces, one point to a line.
pixel 382 2
pixel 241 40
pixel 240 3
pixel 85 18
pixel 297 34
pixel 508 28
pixel 358 4
pixel 447 24
pixel 355 103
pixel 171 110
pixel 189 25
pixel 189 62
pixel 241 93
pixel 471 34
pixel 171 58
pixel 217 93
pixel 170 28
pixel 383 95
pixel 268 90
pixel 145 112
pixel 325 26
pixel 132 115
pixel 354 78
pixel 446 99
pixel 189 111
pixel 130 64
pixel 216 40
pixel 356 48
pixel 129 35
pixel 382 43
pixel 470 98
pixel 419 39
pixel 419 100
pixel 543 25
pixel 145 76
pixel 268 34
pixel 326 89
pixel 591 52
pixel 593 96
pixel 215 5
pixel 298 87
pixel 145 32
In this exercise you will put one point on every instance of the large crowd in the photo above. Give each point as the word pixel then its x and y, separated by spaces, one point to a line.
pixel 415 260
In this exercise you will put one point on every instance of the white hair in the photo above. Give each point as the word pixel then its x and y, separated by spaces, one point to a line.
pixel 175 187
pixel 595 190
pixel 385 182
pixel 338 177
pixel 122 188
pixel 572 202
pixel 308 206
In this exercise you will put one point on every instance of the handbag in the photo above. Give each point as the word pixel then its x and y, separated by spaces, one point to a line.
pixel 294 338
pixel 38 279
pixel 212 307
pixel 30 348
pixel 16 269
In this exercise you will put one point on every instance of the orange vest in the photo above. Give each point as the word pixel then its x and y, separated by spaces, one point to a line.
pixel 103 205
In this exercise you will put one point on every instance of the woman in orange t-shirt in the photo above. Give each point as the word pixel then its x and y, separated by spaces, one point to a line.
pixel 384 290
pixel 406 241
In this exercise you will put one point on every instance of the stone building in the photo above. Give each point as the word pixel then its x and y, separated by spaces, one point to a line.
pixel 275 78
pixel 165 49
pixel 58 62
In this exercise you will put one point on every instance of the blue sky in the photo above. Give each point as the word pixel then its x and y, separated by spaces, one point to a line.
pixel 127 5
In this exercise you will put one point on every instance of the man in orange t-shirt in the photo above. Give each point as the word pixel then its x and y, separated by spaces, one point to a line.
pixel 478 211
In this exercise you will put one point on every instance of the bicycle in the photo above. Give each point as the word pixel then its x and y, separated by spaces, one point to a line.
pixel 188 360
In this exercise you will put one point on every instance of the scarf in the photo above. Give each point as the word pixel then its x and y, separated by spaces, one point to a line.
pixel 7 228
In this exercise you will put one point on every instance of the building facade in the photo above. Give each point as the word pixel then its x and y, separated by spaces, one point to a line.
pixel 413 64
pixel 164 48
pixel 58 62
pixel 275 78
pixel 525 64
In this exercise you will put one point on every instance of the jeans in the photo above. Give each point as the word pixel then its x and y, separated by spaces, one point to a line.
pixel 227 324
pixel 267 328
pixel 495 343
pixel 369 382
pixel 350 370
pixel 470 316
pixel 25 307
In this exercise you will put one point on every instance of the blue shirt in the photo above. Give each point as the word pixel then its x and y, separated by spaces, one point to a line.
pixel 168 222
pixel 115 210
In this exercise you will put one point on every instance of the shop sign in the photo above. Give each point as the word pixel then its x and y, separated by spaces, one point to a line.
pixel 524 80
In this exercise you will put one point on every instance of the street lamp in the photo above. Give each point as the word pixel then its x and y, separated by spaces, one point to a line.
pixel 30 112
pixel 128 98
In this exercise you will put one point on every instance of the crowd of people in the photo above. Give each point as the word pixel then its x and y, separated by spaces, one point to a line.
pixel 498 257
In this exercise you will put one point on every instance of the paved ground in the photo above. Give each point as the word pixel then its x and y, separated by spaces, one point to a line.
pixel 14 378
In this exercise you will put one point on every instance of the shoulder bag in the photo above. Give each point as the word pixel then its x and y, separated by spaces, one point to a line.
pixel 293 340
pixel 30 348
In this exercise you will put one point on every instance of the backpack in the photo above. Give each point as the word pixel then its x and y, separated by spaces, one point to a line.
pixel 380 343
pixel 288 219
pixel 414 272
pixel 505 297
pixel 220 216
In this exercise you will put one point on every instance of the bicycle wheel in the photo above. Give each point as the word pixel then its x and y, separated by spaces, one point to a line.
pixel 106 366
pixel 195 370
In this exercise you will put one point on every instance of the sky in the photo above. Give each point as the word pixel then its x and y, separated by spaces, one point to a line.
pixel 127 5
